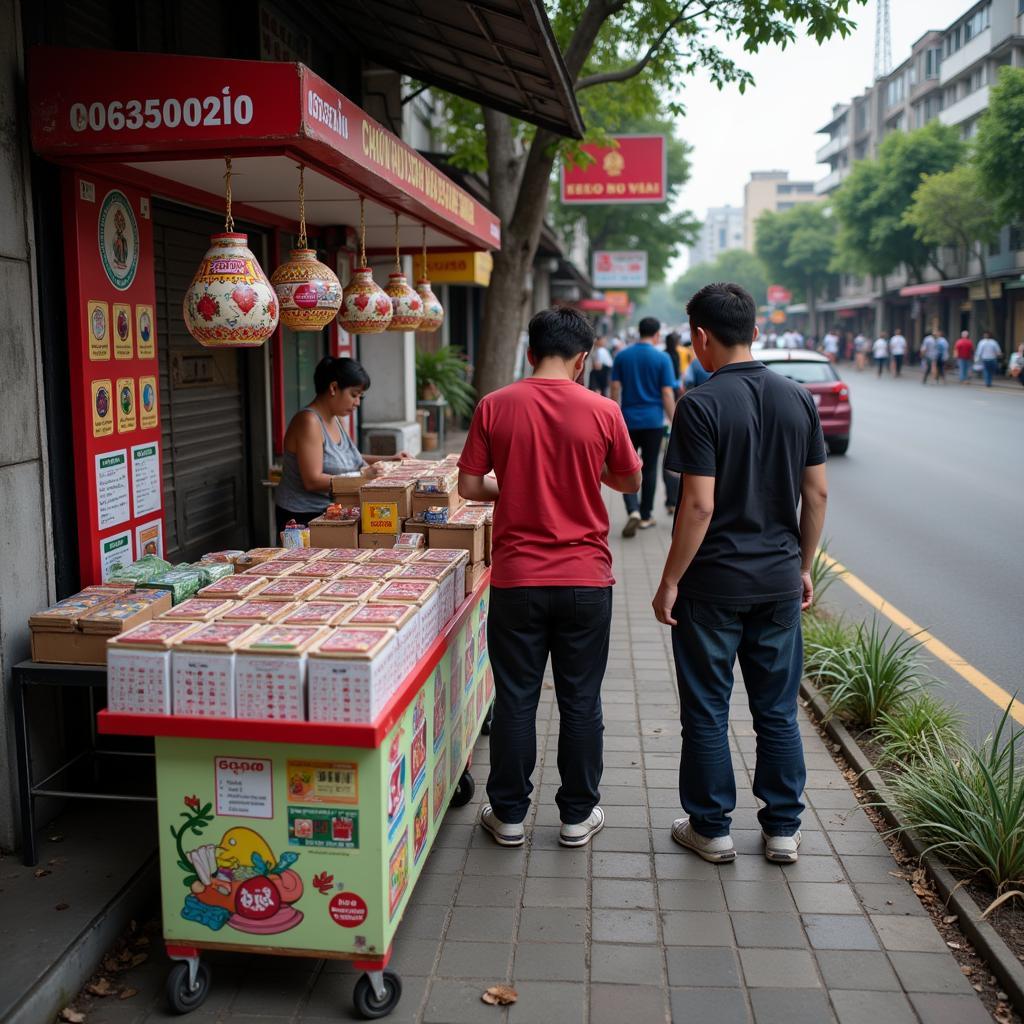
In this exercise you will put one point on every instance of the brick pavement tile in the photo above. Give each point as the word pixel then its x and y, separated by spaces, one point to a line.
pixel 690 894
pixel 555 892
pixel 421 920
pixel 626 965
pixel 756 869
pixel 552 924
pixel 682 864
pixel 453 836
pixel 457 1001
pixel 621 865
pixel 494 860
pixel 779 968
pixel 895 898
pixel 619 713
pixel 626 817
pixel 616 697
pixel 550 961
pixel 331 1000
pixel 615 925
pixel 613 1004
pixel 542 1002
pixel 612 742
pixel 859 843
pixel 545 837
pixel 814 869
pixel 622 759
pixel 703 967
pixel 415 956
pixel 662 762
pixel 618 726
pixel 664 798
pixel 826 799
pixel 632 776
pixel 824 898
pixel 696 928
pixel 908 934
pixel 936 1009
pixel 930 972
pixel 469 924
pixel 663 778
pixel 839 931
pixel 629 840
pixel 728 1005
pixel 474 960
pixel 871 869
pixel 444 861
pixel 790 1006
pixel 847 819
pixel 856 969
pixel 825 778
pixel 780 931
pixel 758 896
pixel 560 863
pixel 268 992
pixel 482 890
pixel 871 1007
pixel 621 892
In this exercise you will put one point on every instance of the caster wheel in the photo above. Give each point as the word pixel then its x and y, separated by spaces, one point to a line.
pixel 464 790
pixel 366 1001
pixel 485 729
pixel 181 998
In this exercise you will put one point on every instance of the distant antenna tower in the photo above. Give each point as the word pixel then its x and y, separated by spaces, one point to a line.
pixel 883 40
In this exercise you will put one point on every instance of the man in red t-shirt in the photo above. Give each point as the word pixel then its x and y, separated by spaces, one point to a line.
pixel 551 444
pixel 963 349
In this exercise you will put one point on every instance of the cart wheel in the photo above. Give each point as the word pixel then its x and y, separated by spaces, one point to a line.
pixel 181 998
pixel 485 729
pixel 368 1004
pixel 464 790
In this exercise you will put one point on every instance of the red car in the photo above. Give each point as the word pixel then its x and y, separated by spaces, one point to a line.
pixel 831 393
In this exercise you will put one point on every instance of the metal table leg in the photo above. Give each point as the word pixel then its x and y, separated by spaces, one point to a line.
pixel 26 801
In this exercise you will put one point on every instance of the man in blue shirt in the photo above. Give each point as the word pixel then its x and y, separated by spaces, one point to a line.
pixel 643 382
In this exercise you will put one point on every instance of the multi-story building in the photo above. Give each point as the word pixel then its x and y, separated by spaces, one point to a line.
pixel 771 190
pixel 722 229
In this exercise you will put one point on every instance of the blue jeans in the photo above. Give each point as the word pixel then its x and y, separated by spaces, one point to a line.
pixel 988 370
pixel 965 368
pixel 768 640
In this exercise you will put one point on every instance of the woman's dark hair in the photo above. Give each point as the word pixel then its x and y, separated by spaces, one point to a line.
pixel 344 372
pixel 672 340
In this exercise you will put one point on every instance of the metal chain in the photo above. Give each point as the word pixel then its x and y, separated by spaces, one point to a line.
pixel 302 208
pixel 362 232
pixel 229 221
pixel 398 258
pixel 423 265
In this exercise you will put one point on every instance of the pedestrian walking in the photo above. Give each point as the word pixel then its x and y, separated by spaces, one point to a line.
pixel 600 367
pixel 989 353
pixel 880 352
pixel 963 349
pixel 644 382
pixel 860 351
pixel 674 351
pixel 738 573
pixel 1016 366
pixel 929 348
pixel 941 355
pixel 898 350
pixel 551 575
pixel 830 345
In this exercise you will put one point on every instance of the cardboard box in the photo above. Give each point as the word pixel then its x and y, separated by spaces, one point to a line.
pixel 457 559
pixel 270 672
pixel 139 667
pixel 203 670
pixel 452 501
pixel 387 490
pixel 377 541
pixel 403 617
pixel 352 674
pixel 334 533
pixel 416 525
pixel 468 536
pixel 69 648
pixel 347 590
pixel 474 573
pixel 488 530
pixel 347 485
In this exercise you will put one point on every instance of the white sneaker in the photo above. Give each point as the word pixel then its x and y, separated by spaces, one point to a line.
pixel 646 524
pixel 632 522
pixel 781 849
pixel 719 850
pixel 501 832
pixel 581 834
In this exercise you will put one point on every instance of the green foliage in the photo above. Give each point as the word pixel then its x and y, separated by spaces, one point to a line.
pixel 999 143
pixel 952 209
pixel 658 301
pixel 968 805
pixel 737 265
pixel 445 369
pixel 872 676
pixel 825 638
pixel 914 729
pixel 797 246
pixel 823 573
pixel 873 236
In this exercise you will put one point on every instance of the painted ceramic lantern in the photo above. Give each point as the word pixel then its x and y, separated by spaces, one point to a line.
pixel 407 302
pixel 308 291
pixel 433 311
pixel 365 306
pixel 230 303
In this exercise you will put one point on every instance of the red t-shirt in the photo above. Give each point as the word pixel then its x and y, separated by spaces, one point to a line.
pixel 547 442
pixel 964 348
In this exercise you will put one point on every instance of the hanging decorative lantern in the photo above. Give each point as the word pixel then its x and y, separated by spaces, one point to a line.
pixel 365 306
pixel 230 303
pixel 433 311
pixel 408 305
pixel 308 291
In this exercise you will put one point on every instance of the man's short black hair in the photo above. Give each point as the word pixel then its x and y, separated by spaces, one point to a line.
pixel 560 331
pixel 725 310
pixel 649 326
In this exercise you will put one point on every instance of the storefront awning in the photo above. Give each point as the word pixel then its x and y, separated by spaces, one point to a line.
pixel 834 305
pixel 172 117
pixel 921 289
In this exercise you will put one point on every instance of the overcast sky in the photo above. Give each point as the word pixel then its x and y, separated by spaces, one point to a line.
pixel 772 125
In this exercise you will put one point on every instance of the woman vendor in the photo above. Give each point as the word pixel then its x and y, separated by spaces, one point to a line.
pixel 317 447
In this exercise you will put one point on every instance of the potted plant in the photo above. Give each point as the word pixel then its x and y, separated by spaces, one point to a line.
pixel 443 373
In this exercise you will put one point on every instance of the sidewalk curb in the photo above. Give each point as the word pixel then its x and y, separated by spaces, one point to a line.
pixel 999 958
pixel 66 976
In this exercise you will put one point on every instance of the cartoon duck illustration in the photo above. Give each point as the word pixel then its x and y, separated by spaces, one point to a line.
pixel 242 848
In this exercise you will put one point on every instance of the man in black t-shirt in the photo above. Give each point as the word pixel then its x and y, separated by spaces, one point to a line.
pixel 749 445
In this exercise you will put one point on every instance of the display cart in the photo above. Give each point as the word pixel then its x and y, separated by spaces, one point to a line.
pixel 307 838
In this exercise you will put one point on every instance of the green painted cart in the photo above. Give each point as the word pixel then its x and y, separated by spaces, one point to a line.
pixel 307 838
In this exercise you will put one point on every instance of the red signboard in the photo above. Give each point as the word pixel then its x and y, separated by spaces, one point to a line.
pixel 630 171
pixel 779 296
pixel 147 106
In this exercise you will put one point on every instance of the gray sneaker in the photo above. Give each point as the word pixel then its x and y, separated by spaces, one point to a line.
pixel 632 522
pixel 719 850
pixel 501 832
pixel 581 834
pixel 781 849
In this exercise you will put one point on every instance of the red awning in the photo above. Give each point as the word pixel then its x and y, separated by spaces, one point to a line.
pixel 177 117
pixel 921 289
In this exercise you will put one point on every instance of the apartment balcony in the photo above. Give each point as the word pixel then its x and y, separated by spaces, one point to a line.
pixel 831 181
pixel 963 110
pixel 968 54
pixel 834 145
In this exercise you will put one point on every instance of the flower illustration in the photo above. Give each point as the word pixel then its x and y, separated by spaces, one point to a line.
pixel 192 802
pixel 323 882
pixel 208 307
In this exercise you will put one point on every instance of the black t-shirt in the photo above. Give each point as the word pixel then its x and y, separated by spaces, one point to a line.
pixel 754 431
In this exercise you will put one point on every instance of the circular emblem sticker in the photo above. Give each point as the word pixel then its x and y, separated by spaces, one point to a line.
pixel 126 400
pixel 147 397
pixel 102 402
pixel 118 240
pixel 122 325
pixel 145 326
pixel 99 324
pixel 348 909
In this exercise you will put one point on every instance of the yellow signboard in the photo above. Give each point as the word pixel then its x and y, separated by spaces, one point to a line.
pixel 456 267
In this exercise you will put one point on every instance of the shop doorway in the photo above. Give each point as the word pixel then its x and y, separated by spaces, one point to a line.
pixel 206 403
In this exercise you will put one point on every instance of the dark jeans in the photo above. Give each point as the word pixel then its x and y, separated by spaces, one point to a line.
pixel 600 380
pixel 964 365
pixel 988 370
pixel 769 643
pixel 648 443
pixel 524 626
pixel 898 360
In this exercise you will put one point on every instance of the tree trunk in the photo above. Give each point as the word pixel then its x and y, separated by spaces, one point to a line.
pixel 990 310
pixel 812 308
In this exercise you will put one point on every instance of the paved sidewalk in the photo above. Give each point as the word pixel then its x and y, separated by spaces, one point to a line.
pixel 634 929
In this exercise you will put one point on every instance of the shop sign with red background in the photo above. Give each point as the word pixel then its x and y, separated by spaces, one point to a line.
pixel 631 171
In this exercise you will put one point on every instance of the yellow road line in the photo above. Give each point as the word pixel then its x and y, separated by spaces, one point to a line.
pixel 931 643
